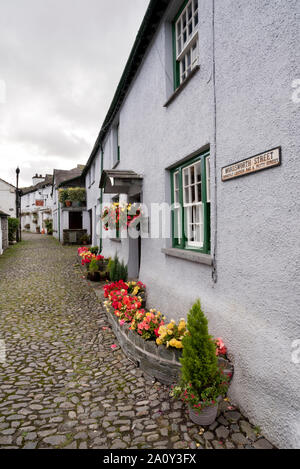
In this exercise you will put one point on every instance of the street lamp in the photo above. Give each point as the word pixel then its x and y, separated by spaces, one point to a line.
pixel 18 237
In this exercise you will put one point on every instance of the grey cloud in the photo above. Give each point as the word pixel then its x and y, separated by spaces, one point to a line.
pixel 61 61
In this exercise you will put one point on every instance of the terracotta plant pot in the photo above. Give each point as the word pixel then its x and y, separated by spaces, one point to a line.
pixel 206 417
pixel 68 203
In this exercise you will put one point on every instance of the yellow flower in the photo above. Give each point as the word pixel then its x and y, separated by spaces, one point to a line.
pixel 175 343
pixel 158 341
pixel 162 330
pixel 171 325
pixel 181 326
pixel 135 291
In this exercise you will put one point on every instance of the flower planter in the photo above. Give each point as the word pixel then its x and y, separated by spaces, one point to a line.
pixel 206 417
pixel 94 276
pixel 68 203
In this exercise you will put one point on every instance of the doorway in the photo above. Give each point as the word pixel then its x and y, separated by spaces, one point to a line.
pixel 75 220
pixel 135 247
pixel 91 224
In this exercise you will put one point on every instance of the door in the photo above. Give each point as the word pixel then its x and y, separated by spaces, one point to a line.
pixel 75 220
pixel 91 224
pixel 135 249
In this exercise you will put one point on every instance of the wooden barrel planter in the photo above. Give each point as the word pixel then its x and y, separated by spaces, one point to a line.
pixel 158 362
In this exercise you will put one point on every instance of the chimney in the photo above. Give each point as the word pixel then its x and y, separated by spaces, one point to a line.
pixel 36 179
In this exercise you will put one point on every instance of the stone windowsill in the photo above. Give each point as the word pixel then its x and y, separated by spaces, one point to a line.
pixel 191 256
pixel 182 86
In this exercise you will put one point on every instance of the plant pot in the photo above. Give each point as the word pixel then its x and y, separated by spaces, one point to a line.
pixel 94 276
pixel 206 417
pixel 68 203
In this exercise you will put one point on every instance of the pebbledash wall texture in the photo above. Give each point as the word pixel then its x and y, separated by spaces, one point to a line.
pixel 246 108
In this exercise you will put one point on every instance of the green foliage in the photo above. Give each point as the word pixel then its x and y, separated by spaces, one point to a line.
pixel 49 226
pixel 63 195
pixel 199 360
pixel 94 250
pixel 85 239
pixel 117 271
pixel 94 266
pixel 27 227
pixel 202 382
pixel 13 225
pixel 74 194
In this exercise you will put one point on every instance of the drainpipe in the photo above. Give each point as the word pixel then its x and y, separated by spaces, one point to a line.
pixel 101 199
pixel 214 271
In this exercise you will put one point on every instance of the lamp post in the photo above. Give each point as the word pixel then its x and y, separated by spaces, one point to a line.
pixel 18 237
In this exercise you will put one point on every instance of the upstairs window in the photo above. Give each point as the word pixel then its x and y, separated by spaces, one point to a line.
pixel 191 204
pixel 186 47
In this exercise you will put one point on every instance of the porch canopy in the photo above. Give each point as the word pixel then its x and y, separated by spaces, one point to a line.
pixel 121 182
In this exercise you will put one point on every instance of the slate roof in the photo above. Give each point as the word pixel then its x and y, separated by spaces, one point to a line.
pixel 3 214
pixel 61 175
pixel 40 185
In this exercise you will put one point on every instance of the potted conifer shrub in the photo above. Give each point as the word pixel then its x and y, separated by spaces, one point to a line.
pixel 202 382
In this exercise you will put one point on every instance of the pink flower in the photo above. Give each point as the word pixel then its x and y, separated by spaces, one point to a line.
pixel 122 322
pixel 113 347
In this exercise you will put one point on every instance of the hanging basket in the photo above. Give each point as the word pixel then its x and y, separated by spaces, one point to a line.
pixel 120 216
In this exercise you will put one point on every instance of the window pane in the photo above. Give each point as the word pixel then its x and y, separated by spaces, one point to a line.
pixel 179 45
pixel 176 180
pixel 193 194
pixel 186 176
pixel 208 178
pixel 198 172
pixel 196 19
pixel 193 175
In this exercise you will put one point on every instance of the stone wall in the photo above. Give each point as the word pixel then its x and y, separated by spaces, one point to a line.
pixel 4 228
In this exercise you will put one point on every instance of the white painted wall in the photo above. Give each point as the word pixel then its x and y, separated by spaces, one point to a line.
pixel 28 205
pixel 254 304
pixel 7 198
pixel 1 247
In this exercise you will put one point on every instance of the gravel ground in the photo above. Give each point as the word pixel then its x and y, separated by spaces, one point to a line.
pixel 62 386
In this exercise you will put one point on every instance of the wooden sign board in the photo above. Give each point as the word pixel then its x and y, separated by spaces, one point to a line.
pixel 39 203
pixel 257 163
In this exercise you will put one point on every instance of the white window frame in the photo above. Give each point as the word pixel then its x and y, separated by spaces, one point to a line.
pixel 186 40
pixel 193 208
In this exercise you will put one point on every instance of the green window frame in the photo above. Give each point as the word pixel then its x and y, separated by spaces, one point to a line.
pixel 185 41
pixel 190 186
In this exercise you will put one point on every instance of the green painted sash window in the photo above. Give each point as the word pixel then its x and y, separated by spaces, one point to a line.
pixel 190 183
pixel 185 41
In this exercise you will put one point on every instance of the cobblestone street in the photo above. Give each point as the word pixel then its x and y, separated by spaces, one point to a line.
pixel 62 386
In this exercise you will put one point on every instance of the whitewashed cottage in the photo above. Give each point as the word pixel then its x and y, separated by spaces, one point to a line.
pixel 203 118
pixel 36 204
pixel 70 220
pixel 7 198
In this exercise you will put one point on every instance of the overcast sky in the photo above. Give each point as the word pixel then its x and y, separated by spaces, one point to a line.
pixel 60 63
